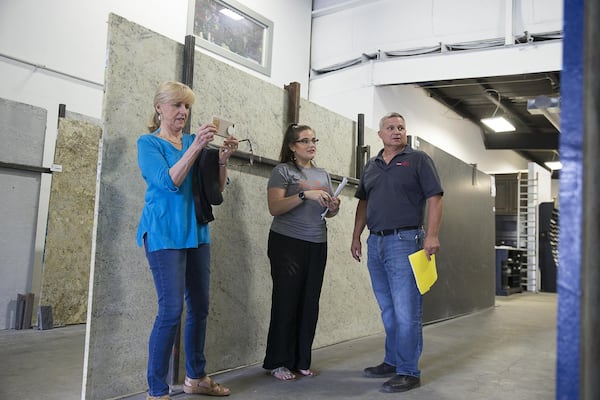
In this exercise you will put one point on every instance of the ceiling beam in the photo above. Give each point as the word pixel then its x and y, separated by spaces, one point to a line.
pixel 461 64
pixel 520 141
pixel 533 158
pixel 464 112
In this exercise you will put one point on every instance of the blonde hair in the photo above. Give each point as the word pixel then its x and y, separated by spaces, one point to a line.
pixel 170 91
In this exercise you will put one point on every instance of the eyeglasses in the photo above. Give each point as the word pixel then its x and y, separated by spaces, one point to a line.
pixel 306 141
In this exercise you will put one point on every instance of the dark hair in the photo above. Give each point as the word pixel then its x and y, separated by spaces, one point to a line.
pixel 291 135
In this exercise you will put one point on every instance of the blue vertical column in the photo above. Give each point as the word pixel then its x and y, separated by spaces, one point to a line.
pixel 589 364
pixel 570 196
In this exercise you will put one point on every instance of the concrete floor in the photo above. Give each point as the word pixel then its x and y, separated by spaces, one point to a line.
pixel 508 352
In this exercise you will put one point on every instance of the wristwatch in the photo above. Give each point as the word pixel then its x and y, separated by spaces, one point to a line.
pixel 301 195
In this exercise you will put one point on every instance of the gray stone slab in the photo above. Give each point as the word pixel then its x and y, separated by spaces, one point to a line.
pixel 23 133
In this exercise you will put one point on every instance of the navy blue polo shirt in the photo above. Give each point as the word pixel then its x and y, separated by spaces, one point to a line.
pixel 396 193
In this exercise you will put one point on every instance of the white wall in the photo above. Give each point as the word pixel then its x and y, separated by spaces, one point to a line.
pixel 344 30
pixel 358 27
pixel 69 36
pixel 53 52
pixel 544 181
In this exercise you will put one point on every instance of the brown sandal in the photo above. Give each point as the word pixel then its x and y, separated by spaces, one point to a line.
pixel 204 386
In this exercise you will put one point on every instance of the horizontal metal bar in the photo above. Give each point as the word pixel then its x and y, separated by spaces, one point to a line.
pixel 253 158
pixel 54 71
pixel 23 167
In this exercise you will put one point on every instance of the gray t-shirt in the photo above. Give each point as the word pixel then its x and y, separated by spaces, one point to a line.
pixel 303 222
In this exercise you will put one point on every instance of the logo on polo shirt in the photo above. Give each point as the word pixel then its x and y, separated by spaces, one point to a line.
pixel 403 164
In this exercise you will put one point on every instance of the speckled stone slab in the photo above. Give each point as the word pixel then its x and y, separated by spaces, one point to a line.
pixel 67 258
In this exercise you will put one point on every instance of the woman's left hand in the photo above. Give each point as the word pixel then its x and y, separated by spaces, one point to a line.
pixel 333 205
pixel 230 145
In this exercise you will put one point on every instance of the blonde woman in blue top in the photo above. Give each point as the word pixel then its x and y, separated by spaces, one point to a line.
pixel 177 245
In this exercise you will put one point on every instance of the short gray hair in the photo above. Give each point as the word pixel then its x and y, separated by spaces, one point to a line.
pixel 392 114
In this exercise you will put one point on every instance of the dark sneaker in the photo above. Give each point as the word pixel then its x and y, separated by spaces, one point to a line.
pixel 382 370
pixel 401 383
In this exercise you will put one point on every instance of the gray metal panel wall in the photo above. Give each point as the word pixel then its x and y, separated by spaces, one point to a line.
pixel 466 266
pixel 22 131
pixel 19 201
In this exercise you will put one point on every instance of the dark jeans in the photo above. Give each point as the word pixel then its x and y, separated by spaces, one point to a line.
pixel 178 275
pixel 297 269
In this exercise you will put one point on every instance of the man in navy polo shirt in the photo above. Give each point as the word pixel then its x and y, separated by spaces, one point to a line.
pixel 394 190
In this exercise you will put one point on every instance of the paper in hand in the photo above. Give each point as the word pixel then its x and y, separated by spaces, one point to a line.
pixel 336 194
pixel 425 270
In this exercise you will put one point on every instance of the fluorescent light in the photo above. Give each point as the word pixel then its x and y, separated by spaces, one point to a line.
pixel 231 14
pixel 499 124
pixel 553 165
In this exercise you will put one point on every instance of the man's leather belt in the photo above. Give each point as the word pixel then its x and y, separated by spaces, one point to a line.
pixel 387 232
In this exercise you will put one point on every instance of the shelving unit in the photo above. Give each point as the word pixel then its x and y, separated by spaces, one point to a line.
pixel 548 246
pixel 509 266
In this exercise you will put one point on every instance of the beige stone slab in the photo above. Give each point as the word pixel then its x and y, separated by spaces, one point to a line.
pixel 66 271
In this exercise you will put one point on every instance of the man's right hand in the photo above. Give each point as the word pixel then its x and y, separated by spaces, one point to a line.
pixel 356 249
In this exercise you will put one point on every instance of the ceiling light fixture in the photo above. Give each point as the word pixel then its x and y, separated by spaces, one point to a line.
pixel 498 124
pixel 553 165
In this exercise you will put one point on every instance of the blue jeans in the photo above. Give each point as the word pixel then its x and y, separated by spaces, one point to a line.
pixel 398 297
pixel 178 275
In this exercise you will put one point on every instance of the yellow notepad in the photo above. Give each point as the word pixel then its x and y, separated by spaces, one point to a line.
pixel 424 270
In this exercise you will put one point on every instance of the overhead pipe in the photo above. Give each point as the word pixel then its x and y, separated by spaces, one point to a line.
pixel 508 22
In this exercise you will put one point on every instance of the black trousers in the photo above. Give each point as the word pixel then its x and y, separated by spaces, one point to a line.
pixel 297 269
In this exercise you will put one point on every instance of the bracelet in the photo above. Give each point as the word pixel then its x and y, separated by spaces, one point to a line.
pixel 222 165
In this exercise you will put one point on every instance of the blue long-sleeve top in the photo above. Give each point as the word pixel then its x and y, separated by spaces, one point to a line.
pixel 168 218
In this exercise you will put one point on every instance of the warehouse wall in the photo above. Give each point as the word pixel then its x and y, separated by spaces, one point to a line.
pixel 123 298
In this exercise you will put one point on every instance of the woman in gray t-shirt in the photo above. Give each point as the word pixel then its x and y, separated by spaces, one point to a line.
pixel 298 193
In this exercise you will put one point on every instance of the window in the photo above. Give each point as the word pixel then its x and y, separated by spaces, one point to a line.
pixel 233 31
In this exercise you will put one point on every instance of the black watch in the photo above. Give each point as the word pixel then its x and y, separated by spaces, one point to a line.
pixel 301 195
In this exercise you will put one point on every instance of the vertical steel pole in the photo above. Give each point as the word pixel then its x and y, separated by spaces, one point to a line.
pixel 187 75
pixel 360 145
